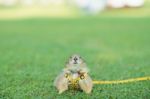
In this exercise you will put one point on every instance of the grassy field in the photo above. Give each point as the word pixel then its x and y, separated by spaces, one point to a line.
pixel 33 52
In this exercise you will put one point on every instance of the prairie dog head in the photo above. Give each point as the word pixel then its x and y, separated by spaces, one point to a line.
pixel 75 60
pixel 76 64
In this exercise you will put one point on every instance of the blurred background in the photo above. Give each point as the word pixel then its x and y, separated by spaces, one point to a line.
pixel 71 8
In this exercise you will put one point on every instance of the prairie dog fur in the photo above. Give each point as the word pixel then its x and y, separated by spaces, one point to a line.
pixel 75 68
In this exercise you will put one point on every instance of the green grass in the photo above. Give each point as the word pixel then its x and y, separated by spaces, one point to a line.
pixel 34 51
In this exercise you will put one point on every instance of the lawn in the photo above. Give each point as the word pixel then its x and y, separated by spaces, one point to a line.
pixel 34 51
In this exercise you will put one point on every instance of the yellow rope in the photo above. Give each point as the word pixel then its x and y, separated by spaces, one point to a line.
pixel 75 81
pixel 122 81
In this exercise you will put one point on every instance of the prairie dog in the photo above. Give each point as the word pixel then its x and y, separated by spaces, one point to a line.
pixel 77 71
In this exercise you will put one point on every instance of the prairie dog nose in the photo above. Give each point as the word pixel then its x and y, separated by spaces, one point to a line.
pixel 75 59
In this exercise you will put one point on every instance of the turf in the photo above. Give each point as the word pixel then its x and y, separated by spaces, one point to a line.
pixel 33 52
